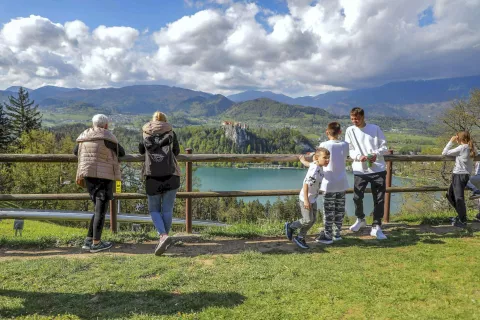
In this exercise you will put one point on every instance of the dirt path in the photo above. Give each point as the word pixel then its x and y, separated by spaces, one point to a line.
pixel 191 246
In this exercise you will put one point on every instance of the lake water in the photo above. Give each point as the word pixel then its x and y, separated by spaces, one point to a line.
pixel 229 179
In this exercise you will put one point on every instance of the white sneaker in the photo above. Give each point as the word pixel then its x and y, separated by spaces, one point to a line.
pixel 360 223
pixel 378 233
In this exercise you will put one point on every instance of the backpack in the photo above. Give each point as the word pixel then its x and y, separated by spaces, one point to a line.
pixel 159 157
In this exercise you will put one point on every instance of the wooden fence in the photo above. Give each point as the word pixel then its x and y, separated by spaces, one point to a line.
pixel 188 158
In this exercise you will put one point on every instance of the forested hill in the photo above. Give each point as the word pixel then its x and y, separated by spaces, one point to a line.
pixel 267 108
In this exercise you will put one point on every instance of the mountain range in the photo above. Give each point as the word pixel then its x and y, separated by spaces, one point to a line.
pixel 420 99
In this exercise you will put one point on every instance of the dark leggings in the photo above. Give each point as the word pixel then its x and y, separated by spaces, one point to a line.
pixel 98 219
pixel 456 194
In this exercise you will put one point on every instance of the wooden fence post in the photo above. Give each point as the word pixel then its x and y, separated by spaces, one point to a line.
pixel 388 182
pixel 188 201
pixel 113 216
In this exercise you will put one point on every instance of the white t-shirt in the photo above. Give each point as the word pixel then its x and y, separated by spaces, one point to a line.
pixel 335 179
pixel 313 179
pixel 369 140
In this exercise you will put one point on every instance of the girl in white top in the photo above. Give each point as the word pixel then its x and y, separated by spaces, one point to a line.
pixel 464 155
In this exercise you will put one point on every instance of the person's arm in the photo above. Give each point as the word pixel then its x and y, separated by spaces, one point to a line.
pixel 306 202
pixel 451 152
pixel 113 146
pixel 141 148
pixel 303 161
pixel 176 146
pixel 382 143
pixel 75 150
pixel 353 153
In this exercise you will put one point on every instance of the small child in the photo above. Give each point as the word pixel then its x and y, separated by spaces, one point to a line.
pixel 334 185
pixel 308 197
pixel 464 155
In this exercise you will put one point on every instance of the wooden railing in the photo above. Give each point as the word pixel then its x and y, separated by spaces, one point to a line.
pixel 189 195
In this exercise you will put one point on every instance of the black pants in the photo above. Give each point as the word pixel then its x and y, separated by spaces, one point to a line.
pixel 456 194
pixel 101 191
pixel 377 183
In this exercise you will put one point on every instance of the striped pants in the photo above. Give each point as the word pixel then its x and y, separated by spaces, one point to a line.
pixel 333 212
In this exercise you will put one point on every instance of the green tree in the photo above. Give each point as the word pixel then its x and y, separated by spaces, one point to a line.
pixel 23 115
pixel 5 133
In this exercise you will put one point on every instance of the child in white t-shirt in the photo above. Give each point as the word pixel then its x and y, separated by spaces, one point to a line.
pixel 334 185
pixel 308 197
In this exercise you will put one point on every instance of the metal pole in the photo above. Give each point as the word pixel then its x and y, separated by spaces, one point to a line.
pixel 188 202
pixel 113 216
pixel 386 213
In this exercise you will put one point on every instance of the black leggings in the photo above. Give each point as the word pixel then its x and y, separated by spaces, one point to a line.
pixel 98 219
pixel 456 194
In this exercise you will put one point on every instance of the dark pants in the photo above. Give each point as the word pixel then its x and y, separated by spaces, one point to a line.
pixel 101 191
pixel 98 219
pixel 378 186
pixel 456 194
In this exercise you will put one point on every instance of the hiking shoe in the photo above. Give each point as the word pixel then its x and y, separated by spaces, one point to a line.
pixel 452 219
pixel 475 195
pixel 378 233
pixel 477 218
pixel 300 242
pixel 322 238
pixel 87 244
pixel 337 237
pixel 102 245
pixel 459 224
pixel 162 246
pixel 288 231
pixel 360 223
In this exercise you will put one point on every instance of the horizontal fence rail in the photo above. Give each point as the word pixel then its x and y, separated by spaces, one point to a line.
pixel 211 158
pixel 189 158
pixel 196 195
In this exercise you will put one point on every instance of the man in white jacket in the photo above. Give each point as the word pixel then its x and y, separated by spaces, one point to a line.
pixel 367 146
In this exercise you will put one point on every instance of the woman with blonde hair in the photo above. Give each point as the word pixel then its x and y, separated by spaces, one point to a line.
pixel 162 174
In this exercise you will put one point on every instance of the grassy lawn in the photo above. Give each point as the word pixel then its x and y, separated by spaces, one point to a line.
pixel 413 275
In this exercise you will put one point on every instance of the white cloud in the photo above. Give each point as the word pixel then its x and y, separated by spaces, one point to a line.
pixel 228 46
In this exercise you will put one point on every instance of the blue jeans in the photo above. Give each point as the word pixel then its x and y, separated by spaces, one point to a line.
pixel 160 207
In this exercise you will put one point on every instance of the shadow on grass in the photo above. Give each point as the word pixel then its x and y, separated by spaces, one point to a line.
pixel 113 304
pixel 399 235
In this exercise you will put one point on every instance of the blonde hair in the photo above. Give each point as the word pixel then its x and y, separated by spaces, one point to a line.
pixel 320 150
pixel 464 136
pixel 159 116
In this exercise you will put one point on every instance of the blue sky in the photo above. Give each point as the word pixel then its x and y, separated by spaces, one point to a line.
pixel 151 14
pixel 295 47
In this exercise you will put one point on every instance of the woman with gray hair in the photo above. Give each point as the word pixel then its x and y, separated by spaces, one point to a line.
pixel 98 151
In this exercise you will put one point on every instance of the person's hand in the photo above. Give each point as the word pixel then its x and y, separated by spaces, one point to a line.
pixel 454 139
pixel 363 158
pixel 307 205
pixel 373 158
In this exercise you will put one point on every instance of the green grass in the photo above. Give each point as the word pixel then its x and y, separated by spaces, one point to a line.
pixel 412 275
pixel 45 234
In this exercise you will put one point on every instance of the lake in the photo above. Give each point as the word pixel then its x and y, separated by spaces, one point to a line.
pixel 229 179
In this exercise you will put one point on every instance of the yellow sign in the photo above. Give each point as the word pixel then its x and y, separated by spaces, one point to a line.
pixel 118 187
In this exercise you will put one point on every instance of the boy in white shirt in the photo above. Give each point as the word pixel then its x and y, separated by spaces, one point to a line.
pixel 367 148
pixel 308 197
pixel 334 185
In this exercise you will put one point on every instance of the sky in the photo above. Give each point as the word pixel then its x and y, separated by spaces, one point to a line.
pixel 295 47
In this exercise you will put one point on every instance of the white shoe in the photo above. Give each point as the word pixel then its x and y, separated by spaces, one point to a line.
pixel 378 233
pixel 360 223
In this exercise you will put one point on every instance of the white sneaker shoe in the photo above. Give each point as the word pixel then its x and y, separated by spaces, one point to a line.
pixel 360 223
pixel 378 233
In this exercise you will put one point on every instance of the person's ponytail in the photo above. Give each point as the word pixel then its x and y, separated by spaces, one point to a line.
pixel 473 150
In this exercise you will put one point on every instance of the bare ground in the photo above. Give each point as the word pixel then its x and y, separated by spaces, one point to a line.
pixel 193 245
